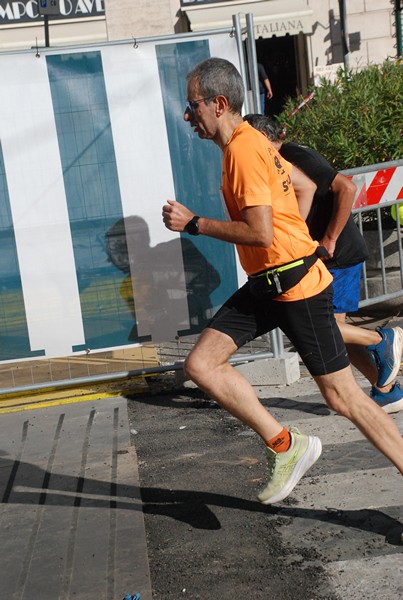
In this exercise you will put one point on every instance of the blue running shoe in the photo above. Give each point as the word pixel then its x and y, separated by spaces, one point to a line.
pixel 390 402
pixel 387 355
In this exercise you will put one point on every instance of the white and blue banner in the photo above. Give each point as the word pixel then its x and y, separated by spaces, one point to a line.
pixel 92 144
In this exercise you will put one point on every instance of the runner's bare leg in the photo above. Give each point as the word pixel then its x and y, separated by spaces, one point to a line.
pixel 207 365
pixel 343 394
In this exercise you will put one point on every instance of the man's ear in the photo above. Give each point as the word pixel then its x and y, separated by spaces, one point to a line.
pixel 221 105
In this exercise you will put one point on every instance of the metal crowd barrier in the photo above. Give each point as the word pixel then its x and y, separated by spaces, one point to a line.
pixel 271 345
pixel 379 188
pixel 395 250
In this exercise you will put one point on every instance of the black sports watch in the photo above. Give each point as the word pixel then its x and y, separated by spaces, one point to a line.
pixel 193 226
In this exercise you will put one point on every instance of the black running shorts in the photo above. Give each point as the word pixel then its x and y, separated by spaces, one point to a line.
pixel 309 324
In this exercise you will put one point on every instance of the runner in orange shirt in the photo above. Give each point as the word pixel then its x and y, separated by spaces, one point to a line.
pixel 287 287
pixel 246 158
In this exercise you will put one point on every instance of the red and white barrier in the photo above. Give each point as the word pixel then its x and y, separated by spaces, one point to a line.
pixel 375 187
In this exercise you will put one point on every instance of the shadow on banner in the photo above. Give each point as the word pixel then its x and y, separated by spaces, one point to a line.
pixel 165 299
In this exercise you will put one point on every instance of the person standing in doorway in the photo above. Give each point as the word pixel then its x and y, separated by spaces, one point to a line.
pixel 265 90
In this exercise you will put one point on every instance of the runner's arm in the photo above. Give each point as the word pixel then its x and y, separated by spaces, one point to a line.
pixel 256 228
pixel 344 193
pixel 304 189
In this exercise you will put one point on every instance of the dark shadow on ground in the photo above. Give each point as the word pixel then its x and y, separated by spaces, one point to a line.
pixel 193 508
pixel 314 408
pixel 24 483
pixel 189 398
pixel 373 521
pixel 199 400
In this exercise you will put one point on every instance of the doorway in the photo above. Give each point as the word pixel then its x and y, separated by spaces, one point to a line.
pixel 278 55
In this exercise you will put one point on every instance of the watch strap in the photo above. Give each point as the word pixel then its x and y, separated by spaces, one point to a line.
pixel 193 226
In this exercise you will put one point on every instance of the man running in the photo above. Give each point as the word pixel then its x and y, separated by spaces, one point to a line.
pixel 287 287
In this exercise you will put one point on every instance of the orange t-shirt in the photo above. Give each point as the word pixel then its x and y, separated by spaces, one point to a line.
pixel 254 174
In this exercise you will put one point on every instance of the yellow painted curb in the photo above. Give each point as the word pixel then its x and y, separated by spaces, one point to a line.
pixel 47 404
pixel 52 397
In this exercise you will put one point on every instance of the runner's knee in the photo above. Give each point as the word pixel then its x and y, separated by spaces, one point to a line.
pixel 195 367
pixel 189 367
pixel 340 390
pixel 336 402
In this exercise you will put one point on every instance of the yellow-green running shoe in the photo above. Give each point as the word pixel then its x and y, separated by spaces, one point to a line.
pixel 287 468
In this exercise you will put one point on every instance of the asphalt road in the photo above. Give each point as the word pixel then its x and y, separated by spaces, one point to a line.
pixel 337 536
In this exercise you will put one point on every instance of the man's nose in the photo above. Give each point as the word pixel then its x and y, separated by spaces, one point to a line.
pixel 187 115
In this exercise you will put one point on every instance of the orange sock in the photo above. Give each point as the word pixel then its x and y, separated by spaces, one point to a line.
pixel 280 442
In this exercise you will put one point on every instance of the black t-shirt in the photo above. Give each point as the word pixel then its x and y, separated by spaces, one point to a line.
pixel 350 246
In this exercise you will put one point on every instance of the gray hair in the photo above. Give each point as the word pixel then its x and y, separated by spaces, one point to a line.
pixel 265 125
pixel 219 77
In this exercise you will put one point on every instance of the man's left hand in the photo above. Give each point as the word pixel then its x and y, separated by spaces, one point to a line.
pixel 330 246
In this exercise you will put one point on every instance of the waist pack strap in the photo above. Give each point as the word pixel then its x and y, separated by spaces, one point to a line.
pixel 308 261
pixel 278 276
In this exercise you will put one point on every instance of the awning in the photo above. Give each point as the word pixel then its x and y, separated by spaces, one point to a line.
pixel 270 17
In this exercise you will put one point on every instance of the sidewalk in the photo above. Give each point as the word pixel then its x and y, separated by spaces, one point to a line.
pixel 71 515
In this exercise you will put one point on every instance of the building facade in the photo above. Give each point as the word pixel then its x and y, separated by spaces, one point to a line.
pixel 296 40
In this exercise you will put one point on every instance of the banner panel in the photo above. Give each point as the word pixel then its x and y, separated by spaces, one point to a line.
pixel 93 143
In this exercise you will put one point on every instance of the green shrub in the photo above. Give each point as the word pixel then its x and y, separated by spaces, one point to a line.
pixel 353 121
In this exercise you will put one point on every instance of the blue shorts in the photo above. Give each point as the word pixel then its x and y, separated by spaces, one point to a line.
pixel 346 288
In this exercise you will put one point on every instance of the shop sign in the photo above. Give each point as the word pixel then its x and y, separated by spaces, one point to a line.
pixel 26 11
pixel 280 27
